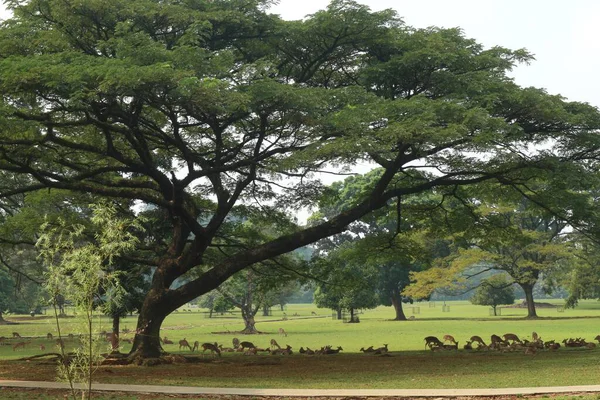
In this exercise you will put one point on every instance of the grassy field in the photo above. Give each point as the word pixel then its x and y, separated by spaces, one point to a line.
pixel 409 365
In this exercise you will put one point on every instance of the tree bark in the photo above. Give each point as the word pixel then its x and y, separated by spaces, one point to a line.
pixel 114 338
pixel 494 308
pixel 155 309
pixel 528 289
pixel 397 303
pixel 265 310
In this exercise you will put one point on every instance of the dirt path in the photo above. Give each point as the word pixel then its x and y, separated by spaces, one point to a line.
pixel 315 393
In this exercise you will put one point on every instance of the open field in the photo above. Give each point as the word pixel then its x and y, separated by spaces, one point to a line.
pixel 409 365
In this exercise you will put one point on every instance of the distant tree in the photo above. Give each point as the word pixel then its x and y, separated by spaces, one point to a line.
pixel 494 291
pixel 6 288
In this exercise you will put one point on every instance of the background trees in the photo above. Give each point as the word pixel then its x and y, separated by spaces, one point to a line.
pixel 494 291
pixel 198 108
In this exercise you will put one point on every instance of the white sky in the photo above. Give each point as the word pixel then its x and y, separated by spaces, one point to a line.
pixel 563 35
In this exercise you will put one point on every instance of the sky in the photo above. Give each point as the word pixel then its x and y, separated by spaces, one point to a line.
pixel 563 35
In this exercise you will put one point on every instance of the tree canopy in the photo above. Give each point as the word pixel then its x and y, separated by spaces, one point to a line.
pixel 201 107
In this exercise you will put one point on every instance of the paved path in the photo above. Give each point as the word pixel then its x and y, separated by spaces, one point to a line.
pixel 310 392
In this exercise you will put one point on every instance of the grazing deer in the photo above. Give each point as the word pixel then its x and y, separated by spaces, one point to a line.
pixel 20 344
pixel 42 347
pixel 196 346
pixel 477 339
pixel 167 341
pixel 597 338
pixel 282 332
pixel 432 341
pixel 313 313
pixel 511 336
pixel 49 336
pixel 495 339
pixel 212 347
pixel 274 344
pixel 16 335
pixel 449 338
pixel 184 343
pixel 247 345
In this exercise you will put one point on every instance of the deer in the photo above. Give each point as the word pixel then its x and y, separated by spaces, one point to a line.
pixel 20 344
pixel 313 313
pixel 590 345
pixel 530 350
pixel 369 349
pixel 329 350
pixel 196 346
pixel 236 342
pixel 71 336
pixel 451 346
pixel 274 344
pixel 534 336
pixel 226 349
pixel 247 345
pixel 184 343
pixel 597 338
pixel 381 350
pixel 42 347
pixel 468 346
pixel 432 341
pixel 554 346
pixel 167 341
pixel 511 336
pixel 251 351
pixel 16 335
pixel 212 347
pixel 282 332
pixel 477 339
pixel 449 338
pixel 49 336
pixel 60 343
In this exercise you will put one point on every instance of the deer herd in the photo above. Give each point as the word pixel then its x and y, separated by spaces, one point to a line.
pixel 507 343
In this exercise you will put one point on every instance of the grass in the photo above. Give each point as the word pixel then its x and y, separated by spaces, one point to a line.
pixel 408 367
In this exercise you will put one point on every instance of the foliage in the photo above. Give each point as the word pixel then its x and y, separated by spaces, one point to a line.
pixel 494 291
pixel 81 269
pixel 200 108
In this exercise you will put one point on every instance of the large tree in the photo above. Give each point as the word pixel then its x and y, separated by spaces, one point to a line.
pixel 176 103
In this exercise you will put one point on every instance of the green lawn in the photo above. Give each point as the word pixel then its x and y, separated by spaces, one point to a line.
pixel 409 365
pixel 462 321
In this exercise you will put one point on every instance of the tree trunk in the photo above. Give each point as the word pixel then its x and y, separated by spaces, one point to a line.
pixel 352 315
pixel 494 308
pixel 2 320
pixel 397 303
pixel 152 314
pixel 528 289
pixel 249 326
pixel 266 310
pixel 114 338
pixel 339 313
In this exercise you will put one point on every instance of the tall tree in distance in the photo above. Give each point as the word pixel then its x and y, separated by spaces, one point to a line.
pixel 199 107
pixel 494 291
